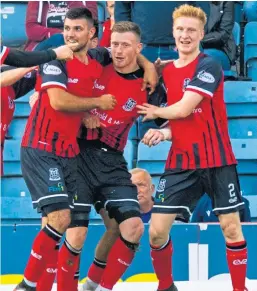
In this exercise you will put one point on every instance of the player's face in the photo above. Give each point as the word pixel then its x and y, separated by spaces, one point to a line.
pixel 188 32
pixel 125 48
pixel 77 30
pixel 144 187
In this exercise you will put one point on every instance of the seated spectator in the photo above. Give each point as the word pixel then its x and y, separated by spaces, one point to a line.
pixel 45 18
pixel 250 10
pixel 203 211
pixel 218 40
pixel 57 40
pixel 155 21
pixel 108 24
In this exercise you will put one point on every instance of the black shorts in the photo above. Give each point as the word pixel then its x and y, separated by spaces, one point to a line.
pixel 50 179
pixel 103 176
pixel 179 190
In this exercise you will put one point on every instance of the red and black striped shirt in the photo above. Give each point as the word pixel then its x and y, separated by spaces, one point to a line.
pixel 200 140
pixel 117 123
pixel 55 131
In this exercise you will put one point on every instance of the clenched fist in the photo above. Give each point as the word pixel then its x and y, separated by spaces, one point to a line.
pixel 107 102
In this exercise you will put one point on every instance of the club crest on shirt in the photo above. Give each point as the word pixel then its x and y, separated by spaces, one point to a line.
pixel 186 83
pixel 11 103
pixel 54 174
pixel 205 77
pixel 129 105
pixel 161 185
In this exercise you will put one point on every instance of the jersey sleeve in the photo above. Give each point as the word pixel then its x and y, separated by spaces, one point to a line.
pixel 54 75
pixel 25 84
pixel 102 55
pixel 4 53
pixel 159 98
pixel 207 77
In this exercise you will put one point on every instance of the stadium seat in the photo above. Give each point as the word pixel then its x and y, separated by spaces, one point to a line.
pixel 153 159
pixel 11 158
pixel 13 15
pixel 22 109
pixel 238 11
pixel 242 127
pixel 130 153
pixel 144 126
pixel 133 131
pixel 241 99
pixel 250 50
pixel 17 127
pixel 253 206
pixel 250 10
pixel 101 5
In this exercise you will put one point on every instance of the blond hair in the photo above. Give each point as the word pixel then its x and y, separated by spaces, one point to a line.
pixel 189 11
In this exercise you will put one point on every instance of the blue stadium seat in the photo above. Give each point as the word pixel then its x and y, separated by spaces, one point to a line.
pixel 22 109
pixel 144 126
pixel 241 99
pixel 242 127
pixel 250 10
pixel 17 127
pixel 238 10
pixel 13 15
pixel 253 206
pixel 133 131
pixel 250 50
pixel 11 158
pixel 101 5
pixel 130 153
pixel 153 159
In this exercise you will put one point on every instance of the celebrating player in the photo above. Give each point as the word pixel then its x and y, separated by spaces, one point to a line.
pixel 102 169
pixel 201 158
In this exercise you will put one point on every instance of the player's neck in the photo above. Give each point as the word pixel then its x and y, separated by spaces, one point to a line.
pixel 185 59
pixel 146 207
pixel 82 56
pixel 128 69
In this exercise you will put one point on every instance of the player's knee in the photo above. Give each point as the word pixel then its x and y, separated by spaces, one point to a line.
pixel 157 236
pixel 76 236
pixel 231 230
pixel 113 231
pixel 132 229
pixel 60 219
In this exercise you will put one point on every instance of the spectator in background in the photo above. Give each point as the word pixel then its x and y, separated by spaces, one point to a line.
pixel 108 24
pixel 203 211
pixel 57 40
pixel 250 10
pixel 46 18
pixel 218 41
pixel 155 21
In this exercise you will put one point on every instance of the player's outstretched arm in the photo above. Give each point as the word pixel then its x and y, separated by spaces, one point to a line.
pixel 180 109
pixel 154 136
pixel 64 101
pixel 10 77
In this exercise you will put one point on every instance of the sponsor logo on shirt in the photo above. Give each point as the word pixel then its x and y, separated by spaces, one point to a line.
pixel 56 188
pixel 185 84
pixel 97 86
pixel 206 77
pixel 129 105
pixel 51 70
pixel 54 174
pixel 73 81
pixel 197 110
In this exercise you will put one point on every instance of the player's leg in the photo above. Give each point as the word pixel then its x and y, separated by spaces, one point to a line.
pixel 123 206
pixel 177 193
pixel 227 201
pixel 69 255
pixel 45 180
pixel 102 249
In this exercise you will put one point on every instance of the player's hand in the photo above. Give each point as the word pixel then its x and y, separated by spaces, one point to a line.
pixel 148 111
pixel 33 99
pixel 153 137
pixel 160 65
pixel 150 78
pixel 107 102
pixel 65 52
pixel 91 121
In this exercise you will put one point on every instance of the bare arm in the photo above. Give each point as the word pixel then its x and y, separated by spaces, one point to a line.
pixel 63 101
pixel 10 77
pixel 154 136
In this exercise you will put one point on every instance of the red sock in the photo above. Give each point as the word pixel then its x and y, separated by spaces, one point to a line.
pixel 46 281
pixel 161 258
pixel 76 275
pixel 119 259
pixel 237 263
pixel 43 250
pixel 96 271
pixel 68 261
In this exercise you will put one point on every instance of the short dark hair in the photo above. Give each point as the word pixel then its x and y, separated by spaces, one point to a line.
pixel 127 26
pixel 96 25
pixel 80 13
